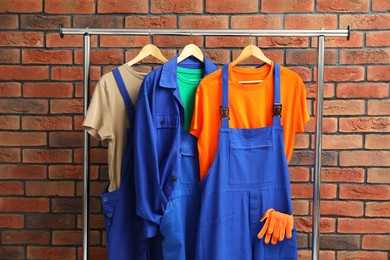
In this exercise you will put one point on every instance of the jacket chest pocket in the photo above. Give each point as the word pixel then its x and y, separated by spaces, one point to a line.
pixel 166 131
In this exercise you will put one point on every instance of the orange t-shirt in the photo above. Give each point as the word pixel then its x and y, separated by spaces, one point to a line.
pixel 251 106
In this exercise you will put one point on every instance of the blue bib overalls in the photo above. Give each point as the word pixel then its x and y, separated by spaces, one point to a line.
pixel 122 225
pixel 248 176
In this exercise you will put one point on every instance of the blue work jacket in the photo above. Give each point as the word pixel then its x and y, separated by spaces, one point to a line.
pixel 158 124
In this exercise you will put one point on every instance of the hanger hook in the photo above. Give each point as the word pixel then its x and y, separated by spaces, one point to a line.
pixel 250 36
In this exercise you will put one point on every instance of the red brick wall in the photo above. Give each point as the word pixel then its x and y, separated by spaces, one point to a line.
pixel 41 113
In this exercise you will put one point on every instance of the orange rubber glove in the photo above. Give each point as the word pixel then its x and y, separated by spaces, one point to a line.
pixel 278 225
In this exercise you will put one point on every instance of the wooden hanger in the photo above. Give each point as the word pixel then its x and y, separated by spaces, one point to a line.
pixel 190 50
pixel 248 51
pixel 146 51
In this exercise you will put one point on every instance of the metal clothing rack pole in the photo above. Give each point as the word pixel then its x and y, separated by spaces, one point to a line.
pixel 321 34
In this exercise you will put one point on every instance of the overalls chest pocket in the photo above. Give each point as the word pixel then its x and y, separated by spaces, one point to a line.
pixel 251 160
pixel 167 128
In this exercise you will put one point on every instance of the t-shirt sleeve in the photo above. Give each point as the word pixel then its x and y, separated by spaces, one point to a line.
pixel 302 113
pixel 98 118
pixel 197 117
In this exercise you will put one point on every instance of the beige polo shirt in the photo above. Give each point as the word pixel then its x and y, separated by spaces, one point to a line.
pixel 107 117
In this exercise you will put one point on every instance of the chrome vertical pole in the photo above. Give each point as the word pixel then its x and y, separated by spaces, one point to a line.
pixel 318 149
pixel 87 49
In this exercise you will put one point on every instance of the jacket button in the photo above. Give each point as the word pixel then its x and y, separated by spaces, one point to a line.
pixel 181 121
pixel 105 199
pixel 109 214
pixel 162 122
pixel 173 179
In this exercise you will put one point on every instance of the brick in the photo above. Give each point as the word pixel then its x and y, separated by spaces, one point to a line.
pixel 9 155
pixel 17 106
pixel 48 89
pixel 35 252
pixel 52 188
pixel 46 221
pixel 378 175
pixel 70 6
pixel 341 107
pixel 365 124
pixel 340 142
pixel 339 73
pixel 73 73
pixel 117 41
pixel 304 224
pixel 177 41
pixel 300 207
pixel 24 73
pixel 66 139
pixel 362 226
pixel 305 191
pixel 311 90
pixel 54 40
pixel 377 142
pixel 22 139
pixel 380 5
pixel 299 174
pixel 356 40
pixel 329 158
pixel 9 89
pixel 12 252
pixel 78 122
pixel 256 21
pixel 378 73
pixel 73 237
pixel 96 188
pixel 231 6
pixel 309 57
pixel 46 156
pixel 342 175
pixel 21 39
pixel 365 22
pixel 364 56
pixel 313 22
pixel 204 22
pixel 66 106
pixel 9 22
pixel 176 6
pixel 13 221
pixel 342 208
pixel 344 6
pixel 305 73
pixel 378 209
pixel 283 42
pixel 372 192
pixel 227 41
pixel 138 22
pixel 47 56
pixel 25 237
pixel 340 242
pixel 109 21
pixel 21 6
pixel 275 55
pixel 307 255
pixel 11 188
pixel 302 240
pixel 22 172
pixel 99 156
pixel 119 6
pixel 43 22
pixel 377 39
pixel 9 204
pixel 362 90
pixel 67 205
pixel 365 158
pixel 9 122
pixel 301 141
pixel 58 172
pixel 287 6
pixel 376 242
pixel 96 221
pixel 218 56
pixel 9 56
pixel 46 123
pixel 378 107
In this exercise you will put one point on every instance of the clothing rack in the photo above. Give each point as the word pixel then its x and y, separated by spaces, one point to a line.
pixel 321 34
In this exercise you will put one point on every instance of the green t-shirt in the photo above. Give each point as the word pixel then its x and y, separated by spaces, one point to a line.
pixel 188 80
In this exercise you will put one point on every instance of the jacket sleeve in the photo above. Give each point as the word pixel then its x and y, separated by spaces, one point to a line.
pixel 150 198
